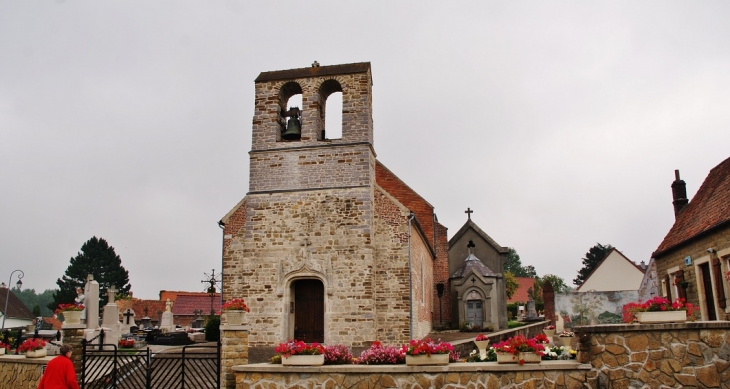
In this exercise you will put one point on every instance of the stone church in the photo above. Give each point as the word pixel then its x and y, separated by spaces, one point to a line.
pixel 329 245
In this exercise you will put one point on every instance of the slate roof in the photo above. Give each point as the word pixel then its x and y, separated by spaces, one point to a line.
pixel 16 308
pixel 521 292
pixel 186 304
pixel 708 210
pixel 349 68
pixel 472 264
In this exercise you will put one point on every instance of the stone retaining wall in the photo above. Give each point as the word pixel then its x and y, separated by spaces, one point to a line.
pixel 490 375
pixel 19 372
pixel 659 355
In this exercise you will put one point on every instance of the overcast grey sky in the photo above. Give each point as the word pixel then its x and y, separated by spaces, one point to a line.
pixel 559 123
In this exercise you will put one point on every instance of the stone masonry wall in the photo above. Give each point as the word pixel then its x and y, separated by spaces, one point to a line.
pixel 697 250
pixel 324 235
pixel 234 351
pixel 488 375
pixel 19 372
pixel 422 284
pixel 655 356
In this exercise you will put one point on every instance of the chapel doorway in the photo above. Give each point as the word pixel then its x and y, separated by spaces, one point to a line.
pixel 309 311
pixel 474 313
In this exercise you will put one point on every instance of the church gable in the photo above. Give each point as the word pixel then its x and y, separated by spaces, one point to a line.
pixel 486 249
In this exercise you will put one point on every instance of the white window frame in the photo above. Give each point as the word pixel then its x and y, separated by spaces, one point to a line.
pixel 701 292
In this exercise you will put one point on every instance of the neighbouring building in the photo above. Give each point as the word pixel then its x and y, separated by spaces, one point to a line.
pixel 649 287
pixel 477 289
pixel 328 244
pixel 18 315
pixel 615 272
pixel 693 260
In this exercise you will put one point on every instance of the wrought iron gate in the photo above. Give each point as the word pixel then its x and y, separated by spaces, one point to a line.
pixel 107 367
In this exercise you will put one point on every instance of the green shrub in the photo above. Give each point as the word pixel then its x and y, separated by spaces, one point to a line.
pixel 515 324
pixel 212 328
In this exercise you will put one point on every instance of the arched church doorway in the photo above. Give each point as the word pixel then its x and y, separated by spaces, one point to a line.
pixel 309 310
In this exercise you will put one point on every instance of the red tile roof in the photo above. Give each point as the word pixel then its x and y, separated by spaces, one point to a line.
pixel 709 208
pixel 521 292
pixel 154 307
pixel 187 304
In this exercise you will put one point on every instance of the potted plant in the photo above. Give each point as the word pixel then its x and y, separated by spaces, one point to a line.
pixel 658 310
pixel 505 352
pixel 235 309
pixel 427 352
pixel 566 337
pixel 33 348
pixel 126 343
pixel 482 342
pixel 297 353
pixel 71 313
pixel 549 331
pixel 528 350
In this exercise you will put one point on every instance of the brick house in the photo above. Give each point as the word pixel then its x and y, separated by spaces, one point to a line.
pixel 693 260
pixel 328 244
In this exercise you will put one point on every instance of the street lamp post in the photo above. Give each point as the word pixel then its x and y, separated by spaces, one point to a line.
pixel 7 297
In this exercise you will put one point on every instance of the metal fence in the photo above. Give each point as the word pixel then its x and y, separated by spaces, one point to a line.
pixel 104 366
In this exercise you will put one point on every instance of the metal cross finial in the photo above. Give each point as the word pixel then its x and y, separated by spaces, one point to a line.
pixel 128 314
pixel 468 212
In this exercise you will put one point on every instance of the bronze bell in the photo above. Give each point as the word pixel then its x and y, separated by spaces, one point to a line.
pixel 293 125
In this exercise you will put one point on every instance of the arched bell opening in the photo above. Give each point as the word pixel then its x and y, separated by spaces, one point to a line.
pixel 330 95
pixel 290 112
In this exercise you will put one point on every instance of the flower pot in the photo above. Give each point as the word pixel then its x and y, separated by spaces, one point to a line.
pixel 549 334
pixel 482 346
pixel 529 357
pixel 36 353
pixel 235 317
pixel 303 360
pixel 662 317
pixel 2 350
pixel 425 359
pixel 506 358
pixel 565 341
pixel 72 317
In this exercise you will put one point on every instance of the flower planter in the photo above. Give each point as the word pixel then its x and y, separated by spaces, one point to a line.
pixel 36 353
pixel 482 346
pixel 425 359
pixel 303 360
pixel 71 317
pixel 565 341
pixel 549 334
pixel 2 351
pixel 506 358
pixel 662 317
pixel 529 357
pixel 235 317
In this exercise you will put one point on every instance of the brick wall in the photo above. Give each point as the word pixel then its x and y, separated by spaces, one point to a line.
pixel 442 309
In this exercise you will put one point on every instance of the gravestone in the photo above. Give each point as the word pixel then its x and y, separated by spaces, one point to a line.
pixel 167 322
pixel 198 322
pixel 91 293
pixel 531 312
pixel 110 319
pixel 128 321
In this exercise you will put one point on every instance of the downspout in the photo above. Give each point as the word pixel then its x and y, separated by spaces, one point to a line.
pixel 223 253
pixel 410 275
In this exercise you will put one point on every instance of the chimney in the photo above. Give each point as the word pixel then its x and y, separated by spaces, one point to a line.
pixel 679 194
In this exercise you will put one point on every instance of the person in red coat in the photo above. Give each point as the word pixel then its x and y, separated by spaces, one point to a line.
pixel 60 373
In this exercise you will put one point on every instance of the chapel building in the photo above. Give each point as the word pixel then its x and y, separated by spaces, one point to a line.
pixel 329 245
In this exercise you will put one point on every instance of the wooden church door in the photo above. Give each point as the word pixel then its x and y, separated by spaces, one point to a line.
pixel 309 311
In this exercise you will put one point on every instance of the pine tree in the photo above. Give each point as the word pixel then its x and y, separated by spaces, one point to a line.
pixel 99 259
pixel 594 256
